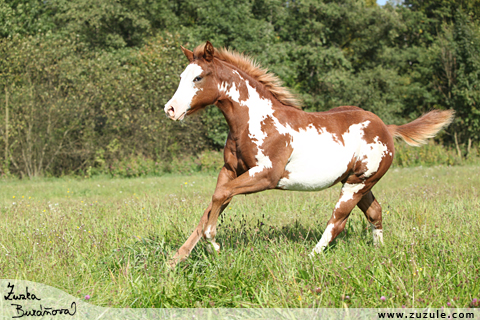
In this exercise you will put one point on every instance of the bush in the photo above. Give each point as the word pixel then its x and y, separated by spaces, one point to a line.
pixel 73 110
pixel 430 154
pixel 141 166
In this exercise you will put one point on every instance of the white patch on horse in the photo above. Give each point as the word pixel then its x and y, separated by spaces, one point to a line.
pixel 258 110
pixel 325 240
pixel 211 240
pixel 232 92
pixel 313 149
pixel 222 87
pixel 377 234
pixel 319 158
pixel 372 155
pixel 186 91
pixel 208 235
pixel 348 191
pixel 238 74
pixel 213 245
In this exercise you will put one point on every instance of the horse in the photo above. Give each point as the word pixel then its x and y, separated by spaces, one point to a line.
pixel 273 144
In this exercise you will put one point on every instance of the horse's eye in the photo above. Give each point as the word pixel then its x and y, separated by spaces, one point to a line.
pixel 197 79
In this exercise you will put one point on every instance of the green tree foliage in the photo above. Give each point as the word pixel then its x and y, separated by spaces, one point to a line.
pixel 229 23
pixel 440 11
pixel 105 24
pixel 457 75
pixel 25 17
pixel 68 112
pixel 84 82
pixel 338 53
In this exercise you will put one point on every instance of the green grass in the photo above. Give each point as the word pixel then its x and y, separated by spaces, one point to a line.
pixel 111 238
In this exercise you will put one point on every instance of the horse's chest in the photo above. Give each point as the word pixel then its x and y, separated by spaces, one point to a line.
pixel 240 155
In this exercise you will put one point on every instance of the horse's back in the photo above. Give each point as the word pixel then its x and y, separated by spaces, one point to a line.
pixel 343 109
pixel 339 120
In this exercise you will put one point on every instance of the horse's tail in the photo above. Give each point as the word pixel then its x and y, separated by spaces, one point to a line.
pixel 419 130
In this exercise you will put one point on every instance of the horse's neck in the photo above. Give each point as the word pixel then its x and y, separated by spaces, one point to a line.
pixel 244 106
pixel 232 115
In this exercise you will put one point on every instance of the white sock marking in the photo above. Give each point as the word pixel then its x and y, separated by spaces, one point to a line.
pixel 325 240
pixel 377 235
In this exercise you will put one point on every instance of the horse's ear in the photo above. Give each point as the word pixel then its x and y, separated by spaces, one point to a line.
pixel 187 53
pixel 209 52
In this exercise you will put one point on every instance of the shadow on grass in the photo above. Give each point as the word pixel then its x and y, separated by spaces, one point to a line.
pixel 235 236
pixel 155 251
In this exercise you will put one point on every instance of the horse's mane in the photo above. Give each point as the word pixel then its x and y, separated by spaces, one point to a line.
pixel 248 65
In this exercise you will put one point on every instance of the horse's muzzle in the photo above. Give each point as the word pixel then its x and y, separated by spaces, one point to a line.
pixel 170 111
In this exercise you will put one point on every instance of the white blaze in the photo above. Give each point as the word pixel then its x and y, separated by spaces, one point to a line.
pixel 182 99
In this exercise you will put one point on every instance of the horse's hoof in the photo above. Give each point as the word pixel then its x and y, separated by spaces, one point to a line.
pixel 172 263
pixel 316 253
pixel 213 246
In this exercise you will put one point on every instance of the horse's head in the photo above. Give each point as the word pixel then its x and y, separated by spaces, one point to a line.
pixel 198 87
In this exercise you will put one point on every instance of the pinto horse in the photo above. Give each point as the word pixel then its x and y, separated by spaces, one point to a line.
pixel 273 144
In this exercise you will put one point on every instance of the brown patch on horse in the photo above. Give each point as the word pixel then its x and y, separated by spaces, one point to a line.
pixel 248 65
pixel 343 109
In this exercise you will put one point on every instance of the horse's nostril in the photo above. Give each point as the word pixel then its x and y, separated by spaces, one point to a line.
pixel 171 111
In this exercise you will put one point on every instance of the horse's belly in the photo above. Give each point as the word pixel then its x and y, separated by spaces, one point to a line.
pixel 316 163
pixel 310 175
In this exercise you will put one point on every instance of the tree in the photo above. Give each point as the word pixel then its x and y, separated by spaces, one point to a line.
pixel 24 17
pixel 113 24
pixel 457 76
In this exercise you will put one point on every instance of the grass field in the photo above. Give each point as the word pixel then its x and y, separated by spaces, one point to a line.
pixel 111 238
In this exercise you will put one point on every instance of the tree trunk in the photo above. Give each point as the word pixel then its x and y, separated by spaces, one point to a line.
pixel 457 145
pixel 6 169
pixel 469 146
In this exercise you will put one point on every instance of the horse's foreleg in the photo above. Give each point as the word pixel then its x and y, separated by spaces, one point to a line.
pixel 244 184
pixel 196 235
pixel 226 189
pixel 182 253
pixel 210 233
pixel 350 196
pixel 373 211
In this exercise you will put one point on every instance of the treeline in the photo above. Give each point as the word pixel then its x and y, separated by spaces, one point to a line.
pixel 83 83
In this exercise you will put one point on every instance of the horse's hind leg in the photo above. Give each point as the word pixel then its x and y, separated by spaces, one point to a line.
pixel 351 194
pixel 373 211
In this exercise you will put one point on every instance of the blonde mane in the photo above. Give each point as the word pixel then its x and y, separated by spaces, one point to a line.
pixel 246 64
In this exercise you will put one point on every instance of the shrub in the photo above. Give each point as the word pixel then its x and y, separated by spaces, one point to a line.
pixel 428 155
